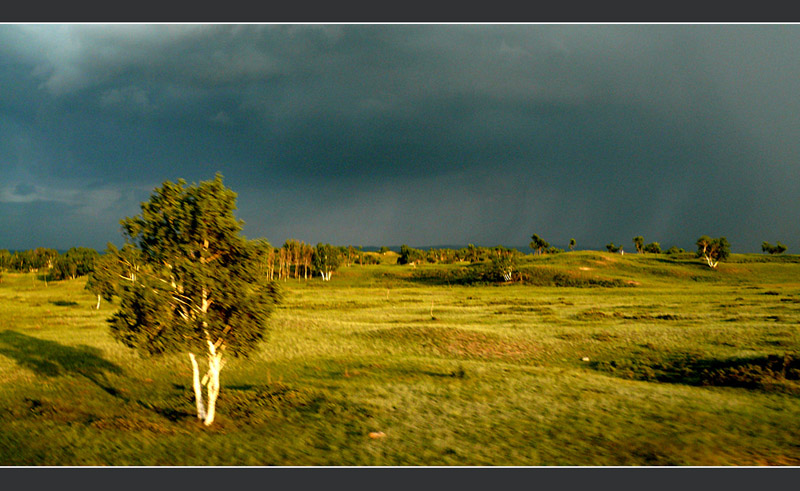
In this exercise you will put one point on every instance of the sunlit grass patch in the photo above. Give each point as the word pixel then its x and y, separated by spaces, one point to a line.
pixel 449 341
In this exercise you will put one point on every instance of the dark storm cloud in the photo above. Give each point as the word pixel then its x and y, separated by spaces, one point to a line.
pixel 23 189
pixel 383 134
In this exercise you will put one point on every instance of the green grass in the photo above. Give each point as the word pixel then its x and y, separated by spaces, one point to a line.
pixel 675 365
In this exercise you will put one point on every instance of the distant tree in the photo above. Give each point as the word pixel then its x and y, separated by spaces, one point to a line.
pixel 64 269
pixel 674 250
pixel 431 255
pixel 611 247
pixel 291 257
pixel 20 261
pixel 351 253
pixel 652 248
pixel 6 259
pixel 77 261
pixel 448 256
pixel 308 257
pixel 409 255
pixel 326 260
pixel 571 244
pixel 778 248
pixel 713 250
pixel 42 258
pixel 111 269
pixel 638 241
pixel 503 265
pixel 538 244
pixel 370 258
pixel 199 286
pixel 472 253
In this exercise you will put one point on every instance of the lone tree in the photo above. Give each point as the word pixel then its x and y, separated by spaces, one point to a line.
pixel 571 244
pixel 199 288
pixel 713 250
pixel 504 262
pixel 538 244
pixel 326 260
pixel 778 248
pixel 638 241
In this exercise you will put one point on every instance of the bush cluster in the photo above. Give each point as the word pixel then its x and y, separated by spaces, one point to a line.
pixel 491 273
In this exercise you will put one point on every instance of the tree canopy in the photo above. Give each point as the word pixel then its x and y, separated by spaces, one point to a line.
pixel 638 242
pixel 326 260
pixel 713 250
pixel 652 248
pixel 198 286
pixel 538 244
pixel 778 248
pixel 77 261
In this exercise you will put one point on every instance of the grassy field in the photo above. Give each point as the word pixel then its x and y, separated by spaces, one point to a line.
pixel 669 363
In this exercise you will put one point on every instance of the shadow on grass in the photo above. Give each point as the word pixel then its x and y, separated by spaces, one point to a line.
pixel 51 359
pixel 63 303
pixel 769 373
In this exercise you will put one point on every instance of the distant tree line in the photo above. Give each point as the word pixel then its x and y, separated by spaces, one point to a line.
pixel 470 254
pixel 298 260
pixel 77 261
pixel 37 259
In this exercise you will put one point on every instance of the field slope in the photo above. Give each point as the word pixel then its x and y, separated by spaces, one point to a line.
pixel 589 359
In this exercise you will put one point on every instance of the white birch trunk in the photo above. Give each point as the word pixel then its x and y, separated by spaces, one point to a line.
pixel 211 378
pixel 212 381
pixel 198 390
pixel 711 262
pixel 98 303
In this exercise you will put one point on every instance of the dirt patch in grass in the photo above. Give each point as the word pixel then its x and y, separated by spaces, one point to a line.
pixel 595 314
pixel 603 336
pixel 660 317
pixel 450 341
pixel 519 309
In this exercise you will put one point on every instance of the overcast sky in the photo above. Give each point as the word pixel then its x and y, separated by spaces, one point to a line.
pixel 416 134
